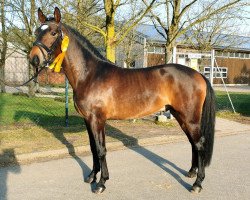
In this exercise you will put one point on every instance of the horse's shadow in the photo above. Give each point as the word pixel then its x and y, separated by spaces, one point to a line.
pixel 128 141
pixel 132 143
pixel 8 164
pixel 42 121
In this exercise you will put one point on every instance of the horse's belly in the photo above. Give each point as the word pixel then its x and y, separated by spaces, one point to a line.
pixel 138 107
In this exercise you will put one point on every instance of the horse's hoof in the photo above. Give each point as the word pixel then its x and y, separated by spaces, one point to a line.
pixel 99 189
pixel 90 180
pixel 196 189
pixel 191 174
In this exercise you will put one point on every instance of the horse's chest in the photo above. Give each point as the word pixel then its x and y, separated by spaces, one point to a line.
pixel 80 108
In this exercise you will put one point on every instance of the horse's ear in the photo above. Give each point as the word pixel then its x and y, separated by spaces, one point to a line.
pixel 57 15
pixel 41 16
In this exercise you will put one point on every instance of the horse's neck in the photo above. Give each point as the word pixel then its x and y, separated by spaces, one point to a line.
pixel 76 65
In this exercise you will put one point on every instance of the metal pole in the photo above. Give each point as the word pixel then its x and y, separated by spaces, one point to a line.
pixel 224 85
pixel 212 67
pixel 174 55
pixel 66 102
pixel 145 56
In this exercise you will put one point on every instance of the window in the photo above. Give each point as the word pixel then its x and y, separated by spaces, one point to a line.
pixel 151 49
pixel 158 50
pixel 218 72
pixel 219 53
pixel 231 55
pixel 237 55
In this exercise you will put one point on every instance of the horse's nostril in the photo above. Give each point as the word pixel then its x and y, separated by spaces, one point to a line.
pixel 35 61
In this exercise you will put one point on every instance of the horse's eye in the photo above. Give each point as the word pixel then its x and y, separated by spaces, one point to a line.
pixel 53 33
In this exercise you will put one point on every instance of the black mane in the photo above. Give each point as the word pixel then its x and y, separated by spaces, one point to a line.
pixel 85 42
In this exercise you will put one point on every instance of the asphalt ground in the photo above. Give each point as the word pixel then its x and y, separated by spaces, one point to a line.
pixel 152 172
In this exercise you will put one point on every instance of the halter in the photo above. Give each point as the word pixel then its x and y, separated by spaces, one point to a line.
pixel 50 50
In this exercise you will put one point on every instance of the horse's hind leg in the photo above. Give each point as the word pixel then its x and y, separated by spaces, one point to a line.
pixel 191 126
pixel 194 130
pixel 193 170
pixel 194 166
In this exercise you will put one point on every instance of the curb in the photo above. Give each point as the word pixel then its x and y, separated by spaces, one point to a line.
pixel 85 150
pixel 111 146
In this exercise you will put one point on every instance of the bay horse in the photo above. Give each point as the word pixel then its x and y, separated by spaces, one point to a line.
pixel 104 91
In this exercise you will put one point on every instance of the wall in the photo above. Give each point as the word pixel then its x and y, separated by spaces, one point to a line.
pixel 50 77
pixel 238 70
pixel 16 67
pixel 155 59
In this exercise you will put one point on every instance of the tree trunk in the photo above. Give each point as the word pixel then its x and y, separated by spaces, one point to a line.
pixel 4 47
pixel 171 41
pixel 110 43
pixel 110 8
pixel 2 77
pixel 32 86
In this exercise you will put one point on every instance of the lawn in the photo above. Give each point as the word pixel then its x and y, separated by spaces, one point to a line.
pixel 241 102
pixel 20 110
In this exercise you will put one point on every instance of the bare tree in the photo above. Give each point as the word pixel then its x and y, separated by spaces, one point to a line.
pixel 131 49
pixel 181 17
pixel 112 36
pixel 23 23
pixel 77 13
pixel 219 31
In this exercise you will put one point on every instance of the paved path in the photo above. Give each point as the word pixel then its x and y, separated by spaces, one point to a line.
pixel 243 88
pixel 154 172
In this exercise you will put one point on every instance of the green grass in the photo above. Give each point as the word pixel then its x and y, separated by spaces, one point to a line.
pixel 241 102
pixel 18 109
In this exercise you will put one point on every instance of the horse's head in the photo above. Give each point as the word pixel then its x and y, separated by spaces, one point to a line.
pixel 48 39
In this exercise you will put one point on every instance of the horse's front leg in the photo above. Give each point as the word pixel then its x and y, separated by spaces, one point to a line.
pixel 96 164
pixel 98 129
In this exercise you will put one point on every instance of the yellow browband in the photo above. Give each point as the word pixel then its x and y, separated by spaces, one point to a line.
pixel 59 59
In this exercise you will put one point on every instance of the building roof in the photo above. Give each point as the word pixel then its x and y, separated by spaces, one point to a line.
pixel 235 42
pixel 150 33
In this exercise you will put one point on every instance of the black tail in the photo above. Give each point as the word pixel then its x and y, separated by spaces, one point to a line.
pixel 207 124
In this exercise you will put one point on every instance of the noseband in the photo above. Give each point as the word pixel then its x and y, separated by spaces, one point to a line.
pixel 50 50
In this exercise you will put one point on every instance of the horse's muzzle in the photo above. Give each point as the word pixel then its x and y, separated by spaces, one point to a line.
pixel 35 61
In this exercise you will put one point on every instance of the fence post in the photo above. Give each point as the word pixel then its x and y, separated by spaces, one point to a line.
pixel 66 102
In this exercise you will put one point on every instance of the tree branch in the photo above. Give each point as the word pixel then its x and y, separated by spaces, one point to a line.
pixel 186 8
pixel 135 23
pixel 96 29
